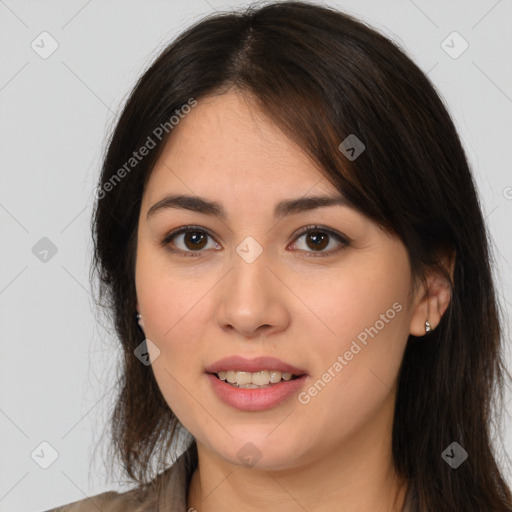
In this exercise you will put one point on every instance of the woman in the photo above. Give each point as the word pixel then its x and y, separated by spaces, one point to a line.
pixel 288 234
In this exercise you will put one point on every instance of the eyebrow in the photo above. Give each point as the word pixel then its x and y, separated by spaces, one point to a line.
pixel 282 209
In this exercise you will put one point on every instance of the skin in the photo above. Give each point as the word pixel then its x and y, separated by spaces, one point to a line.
pixel 333 453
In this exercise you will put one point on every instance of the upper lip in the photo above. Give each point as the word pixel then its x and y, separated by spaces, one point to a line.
pixel 253 365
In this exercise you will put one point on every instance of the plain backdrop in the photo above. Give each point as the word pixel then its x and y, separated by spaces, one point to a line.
pixel 57 362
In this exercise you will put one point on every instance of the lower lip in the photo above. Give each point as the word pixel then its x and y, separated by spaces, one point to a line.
pixel 255 399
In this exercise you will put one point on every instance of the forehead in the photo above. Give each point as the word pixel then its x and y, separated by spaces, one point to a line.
pixel 226 143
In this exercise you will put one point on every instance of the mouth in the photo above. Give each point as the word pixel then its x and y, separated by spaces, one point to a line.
pixel 245 395
pixel 254 380
pixel 254 384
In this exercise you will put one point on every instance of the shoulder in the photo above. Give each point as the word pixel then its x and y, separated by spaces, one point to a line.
pixel 168 491
pixel 110 501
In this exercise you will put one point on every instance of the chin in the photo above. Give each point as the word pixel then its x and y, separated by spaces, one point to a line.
pixel 255 448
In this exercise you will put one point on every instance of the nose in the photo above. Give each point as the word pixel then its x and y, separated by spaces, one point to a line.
pixel 252 299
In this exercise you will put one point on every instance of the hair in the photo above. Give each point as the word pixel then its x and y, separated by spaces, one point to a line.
pixel 321 75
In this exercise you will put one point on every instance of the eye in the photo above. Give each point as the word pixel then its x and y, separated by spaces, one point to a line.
pixel 188 239
pixel 318 238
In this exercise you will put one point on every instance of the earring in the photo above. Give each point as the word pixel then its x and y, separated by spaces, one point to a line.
pixel 428 327
pixel 139 319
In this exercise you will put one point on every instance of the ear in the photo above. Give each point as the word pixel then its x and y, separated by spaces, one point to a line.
pixel 433 298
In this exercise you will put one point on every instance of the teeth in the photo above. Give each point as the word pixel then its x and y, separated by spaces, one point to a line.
pixel 261 378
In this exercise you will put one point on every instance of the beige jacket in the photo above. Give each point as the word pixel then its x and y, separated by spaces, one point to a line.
pixel 166 493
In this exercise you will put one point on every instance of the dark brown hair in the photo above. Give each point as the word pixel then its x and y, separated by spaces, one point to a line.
pixel 322 75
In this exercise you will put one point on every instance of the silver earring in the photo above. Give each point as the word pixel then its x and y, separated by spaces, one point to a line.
pixel 428 327
pixel 139 319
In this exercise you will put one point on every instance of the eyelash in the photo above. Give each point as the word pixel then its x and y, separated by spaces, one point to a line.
pixel 303 231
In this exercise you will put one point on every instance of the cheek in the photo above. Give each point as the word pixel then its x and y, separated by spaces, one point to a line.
pixel 171 306
pixel 172 309
pixel 354 380
pixel 165 292
pixel 367 301
pixel 364 332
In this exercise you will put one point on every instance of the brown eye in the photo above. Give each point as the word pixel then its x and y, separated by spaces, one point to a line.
pixel 317 240
pixel 313 239
pixel 189 240
pixel 195 240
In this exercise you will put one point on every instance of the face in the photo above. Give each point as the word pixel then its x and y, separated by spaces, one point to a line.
pixel 322 289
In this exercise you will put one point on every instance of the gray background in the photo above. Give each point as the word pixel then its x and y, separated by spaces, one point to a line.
pixel 58 363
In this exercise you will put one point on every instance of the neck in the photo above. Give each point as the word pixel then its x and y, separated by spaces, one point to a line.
pixel 358 475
